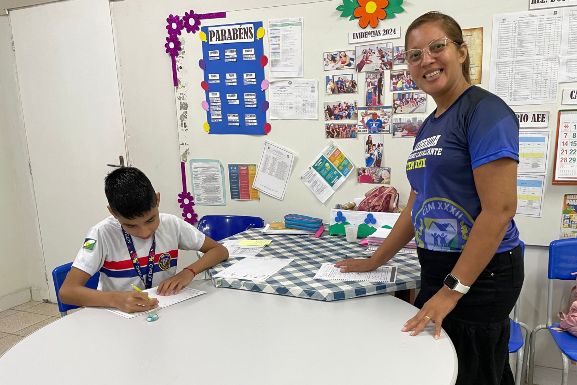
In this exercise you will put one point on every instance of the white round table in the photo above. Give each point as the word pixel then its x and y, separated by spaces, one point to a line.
pixel 232 336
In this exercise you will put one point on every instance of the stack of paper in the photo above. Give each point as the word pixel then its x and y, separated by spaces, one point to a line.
pixel 254 269
pixel 329 272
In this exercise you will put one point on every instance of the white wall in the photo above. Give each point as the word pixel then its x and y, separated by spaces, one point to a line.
pixel 21 261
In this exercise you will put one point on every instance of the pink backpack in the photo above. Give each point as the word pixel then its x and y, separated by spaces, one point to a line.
pixel 569 321
pixel 380 199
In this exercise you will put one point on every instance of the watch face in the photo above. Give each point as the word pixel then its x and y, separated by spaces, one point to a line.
pixel 451 282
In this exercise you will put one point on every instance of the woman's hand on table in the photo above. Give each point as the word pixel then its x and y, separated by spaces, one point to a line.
pixel 434 310
pixel 356 265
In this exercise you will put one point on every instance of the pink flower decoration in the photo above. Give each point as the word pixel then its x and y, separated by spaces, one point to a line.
pixel 191 21
pixel 185 199
pixel 186 202
pixel 172 45
pixel 174 25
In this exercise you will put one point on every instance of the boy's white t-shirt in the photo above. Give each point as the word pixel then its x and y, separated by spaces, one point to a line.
pixel 105 250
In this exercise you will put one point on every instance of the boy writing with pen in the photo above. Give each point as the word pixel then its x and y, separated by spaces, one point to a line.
pixel 136 248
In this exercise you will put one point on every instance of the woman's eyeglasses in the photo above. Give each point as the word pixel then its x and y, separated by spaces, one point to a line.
pixel 434 48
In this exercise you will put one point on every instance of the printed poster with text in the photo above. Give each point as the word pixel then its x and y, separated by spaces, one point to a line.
pixel 241 177
pixel 325 175
pixel 233 72
pixel 569 216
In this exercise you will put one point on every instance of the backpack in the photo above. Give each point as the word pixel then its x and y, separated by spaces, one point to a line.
pixel 380 199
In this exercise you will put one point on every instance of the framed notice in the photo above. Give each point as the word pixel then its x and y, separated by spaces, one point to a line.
pixel 565 168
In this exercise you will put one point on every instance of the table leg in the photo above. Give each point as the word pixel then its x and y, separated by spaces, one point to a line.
pixel 406 295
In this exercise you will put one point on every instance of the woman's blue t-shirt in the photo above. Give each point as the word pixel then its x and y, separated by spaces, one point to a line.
pixel 477 129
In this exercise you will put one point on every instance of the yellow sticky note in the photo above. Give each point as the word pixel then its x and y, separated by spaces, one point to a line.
pixel 255 242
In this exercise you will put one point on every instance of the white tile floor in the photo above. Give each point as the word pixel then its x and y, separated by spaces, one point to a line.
pixel 22 320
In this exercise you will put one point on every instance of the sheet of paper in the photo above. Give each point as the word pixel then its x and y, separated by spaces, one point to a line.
pixel 569 216
pixel 255 242
pixel 474 39
pixel 525 54
pixel 236 249
pixel 533 150
pixel 329 272
pixel 241 177
pixel 254 269
pixel 294 99
pixel 327 173
pixel 274 170
pixel 207 182
pixel 568 67
pixel 530 191
pixel 285 38
pixel 164 301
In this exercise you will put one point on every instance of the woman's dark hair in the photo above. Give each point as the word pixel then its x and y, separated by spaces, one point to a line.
pixel 451 28
pixel 129 192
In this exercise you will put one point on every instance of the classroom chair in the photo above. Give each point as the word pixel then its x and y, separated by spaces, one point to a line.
pixel 562 262
pixel 518 335
pixel 219 227
pixel 58 275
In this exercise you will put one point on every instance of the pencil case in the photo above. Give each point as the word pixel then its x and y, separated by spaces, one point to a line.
pixel 302 222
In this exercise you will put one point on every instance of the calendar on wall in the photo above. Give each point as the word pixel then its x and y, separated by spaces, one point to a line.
pixel 565 168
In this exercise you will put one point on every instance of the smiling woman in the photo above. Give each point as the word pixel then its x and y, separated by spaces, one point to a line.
pixel 462 171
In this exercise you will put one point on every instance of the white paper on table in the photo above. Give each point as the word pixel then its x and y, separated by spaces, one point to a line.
pixel 286 47
pixel 236 250
pixel 164 301
pixel 294 99
pixel 274 170
pixel 329 272
pixel 254 269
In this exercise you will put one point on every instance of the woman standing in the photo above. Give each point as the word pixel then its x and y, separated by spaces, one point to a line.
pixel 462 171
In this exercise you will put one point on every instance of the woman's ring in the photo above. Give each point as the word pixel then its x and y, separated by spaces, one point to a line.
pixel 428 318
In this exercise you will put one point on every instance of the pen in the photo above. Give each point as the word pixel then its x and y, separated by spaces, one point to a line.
pixel 136 288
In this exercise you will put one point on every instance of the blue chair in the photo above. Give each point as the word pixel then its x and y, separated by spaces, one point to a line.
pixel 219 227
pixel 518 335
pixel 562 262
pixel 59 275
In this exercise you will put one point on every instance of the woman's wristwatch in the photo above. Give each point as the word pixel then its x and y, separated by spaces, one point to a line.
pixel 454 284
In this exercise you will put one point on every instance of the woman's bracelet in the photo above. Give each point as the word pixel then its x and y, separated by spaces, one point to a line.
pixel 191 270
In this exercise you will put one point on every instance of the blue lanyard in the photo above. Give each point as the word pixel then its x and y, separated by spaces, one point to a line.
pixel 134 258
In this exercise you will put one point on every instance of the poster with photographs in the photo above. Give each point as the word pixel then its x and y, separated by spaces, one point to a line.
pixel 378 175
pixel 399 55
pixel 401 80
pixel 406 126
pixel 341 130
pixel 373 150
pixel 375 120
pixel 409 102
pixel 374 85
pixel 339 60
pixel 374 57
pixel 341 84
pixel 341 111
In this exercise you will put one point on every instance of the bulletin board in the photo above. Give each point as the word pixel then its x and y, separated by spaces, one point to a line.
pixel 324 30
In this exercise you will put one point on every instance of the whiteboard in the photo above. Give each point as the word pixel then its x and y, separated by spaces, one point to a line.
pixel 324 31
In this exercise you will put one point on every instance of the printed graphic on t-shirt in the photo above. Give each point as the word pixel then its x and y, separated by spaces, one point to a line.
pixel 441 225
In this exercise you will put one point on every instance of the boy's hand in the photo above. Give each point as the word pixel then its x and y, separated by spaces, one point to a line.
pixel 132 302
pixel 173 285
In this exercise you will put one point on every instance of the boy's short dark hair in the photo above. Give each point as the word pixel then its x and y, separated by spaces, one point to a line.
pixel 129 192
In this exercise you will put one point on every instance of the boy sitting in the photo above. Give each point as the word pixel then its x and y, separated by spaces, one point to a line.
pixel 135 247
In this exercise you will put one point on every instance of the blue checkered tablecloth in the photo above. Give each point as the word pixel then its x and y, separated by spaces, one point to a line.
pixel 297 278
